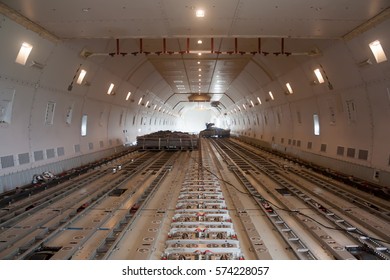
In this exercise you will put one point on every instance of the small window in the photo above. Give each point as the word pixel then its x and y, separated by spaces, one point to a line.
pixel 323 148
pixel 299 143
pixel 309 145
pixel 84 121
pixel 316 121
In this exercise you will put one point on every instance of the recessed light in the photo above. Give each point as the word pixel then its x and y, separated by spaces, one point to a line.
pixel 128 95
pixel 318 74
pixel 199 69
pixel 378 51
pixel 199 13
pixel 81 77
pixel 110 89
pixel 289 88
pixel 198 62
pixel 23 54
pixel 85 10
pixel 200 42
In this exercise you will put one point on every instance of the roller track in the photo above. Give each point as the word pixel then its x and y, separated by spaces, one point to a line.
pixel 251 162
pixel 224 202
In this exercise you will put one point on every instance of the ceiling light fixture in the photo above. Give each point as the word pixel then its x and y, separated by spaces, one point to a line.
pixel 378 51
pixel 200 42
pixel 318 74
pixel 289 88
pixel 81 77
pixel 140 100
pixel 271 95
pixel 128 95
pixel 23 54
pixel 199 13
pixel 110 89
pixel 258 99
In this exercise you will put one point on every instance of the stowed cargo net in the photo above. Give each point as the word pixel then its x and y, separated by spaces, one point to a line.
pixel 201 227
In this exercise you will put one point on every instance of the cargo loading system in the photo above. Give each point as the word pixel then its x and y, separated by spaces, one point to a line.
pixel 168 140
pixel 224 201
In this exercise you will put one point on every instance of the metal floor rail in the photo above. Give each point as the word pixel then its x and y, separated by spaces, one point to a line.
pixel 291 238
pixel 357 234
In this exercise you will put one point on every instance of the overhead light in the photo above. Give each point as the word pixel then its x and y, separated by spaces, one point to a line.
pixel 81 76
pixel 289 88
pixel 140 100
pixel 199 53
pixel 199 69
pixel 155 106
pixel 235 110
pixel 159 109
pixel 128 95
pixel 200 42
pixel 85 10
pixel 199 13
pixel 243 105
pixel 198 62
pixel 258 99
pixel 318 74
pixel 271 95
pixel 110 89
pixel 147 103
pixel 253 105
pixel 200 80
pixel 378 51
pixel 23 54
pixel 200 75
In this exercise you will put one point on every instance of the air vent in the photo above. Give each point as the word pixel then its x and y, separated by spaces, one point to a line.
pixel 77 148
pixel 323 148
pixel 351 152
pixel 90 145
pixel 7 161
pixel 363 154
pixel 340 151
pixel 50 153
pixel 24 158
pixel 60 151
pixel 38 155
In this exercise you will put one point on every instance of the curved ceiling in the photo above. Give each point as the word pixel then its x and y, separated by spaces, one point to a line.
pixel 154 45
